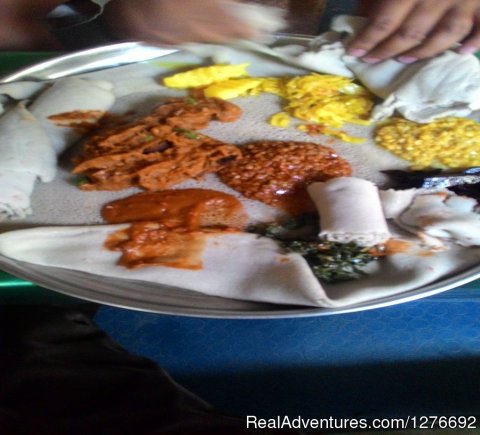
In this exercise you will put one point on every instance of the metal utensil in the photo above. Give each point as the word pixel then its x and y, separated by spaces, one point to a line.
pixel 90 60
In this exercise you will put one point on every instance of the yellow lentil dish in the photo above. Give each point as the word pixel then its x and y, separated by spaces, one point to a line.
pixel 277 173
pixel 445 143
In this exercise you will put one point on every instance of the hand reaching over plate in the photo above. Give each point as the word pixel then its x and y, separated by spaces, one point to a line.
pixel 411 30
pixel 158 21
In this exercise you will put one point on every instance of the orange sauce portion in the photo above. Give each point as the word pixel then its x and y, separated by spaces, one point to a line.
pixel 396 246
pixel 83 121
pixel 170 228
pixel 150 244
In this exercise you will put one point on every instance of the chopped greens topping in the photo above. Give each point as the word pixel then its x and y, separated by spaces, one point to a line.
pixel 187 133
pixel 79 181
pixel 191 100
pixel 330 261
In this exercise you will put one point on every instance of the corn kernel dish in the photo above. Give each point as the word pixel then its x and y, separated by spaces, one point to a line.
pixel 445 143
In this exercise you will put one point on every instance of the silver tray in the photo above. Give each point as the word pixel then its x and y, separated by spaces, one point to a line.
pixel 163 299
pixel 170 300
pixel 94 59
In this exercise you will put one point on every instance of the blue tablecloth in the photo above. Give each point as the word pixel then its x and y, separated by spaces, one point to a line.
pixel 417 358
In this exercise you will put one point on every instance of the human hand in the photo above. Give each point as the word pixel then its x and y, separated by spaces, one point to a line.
pixel 416 29
pixel 176 21
pixel 22 26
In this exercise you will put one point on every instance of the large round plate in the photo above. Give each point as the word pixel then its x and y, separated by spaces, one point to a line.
pixel 169 300
pixel 141 295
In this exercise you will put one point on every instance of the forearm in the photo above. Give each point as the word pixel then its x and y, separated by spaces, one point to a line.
pixel 22 26
pixel 363 7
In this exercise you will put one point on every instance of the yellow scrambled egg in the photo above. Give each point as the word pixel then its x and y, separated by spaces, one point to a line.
pixel 327 102
pixel 204 76
pixel 233 88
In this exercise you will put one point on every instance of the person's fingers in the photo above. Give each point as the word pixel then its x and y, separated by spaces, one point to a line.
pixel 454 27
pixel 471 44
pixel 413 32
pixel 384 21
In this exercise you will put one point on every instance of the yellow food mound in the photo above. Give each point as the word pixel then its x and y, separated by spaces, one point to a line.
pixel 325 102
pixel 230 88
pixel 445 143
pixel 204 76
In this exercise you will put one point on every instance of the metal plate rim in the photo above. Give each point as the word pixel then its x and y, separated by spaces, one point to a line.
pixel 72 289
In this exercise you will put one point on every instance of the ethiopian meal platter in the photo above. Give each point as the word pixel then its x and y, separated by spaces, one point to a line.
pixel 218 182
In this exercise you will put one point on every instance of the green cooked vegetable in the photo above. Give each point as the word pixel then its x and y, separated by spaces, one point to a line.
pixel 329 261
pixel 79 181
pixel 191 100
pixel 148 138
pixel 187 133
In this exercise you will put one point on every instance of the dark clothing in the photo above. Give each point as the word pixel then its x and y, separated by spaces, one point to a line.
pixel 60 374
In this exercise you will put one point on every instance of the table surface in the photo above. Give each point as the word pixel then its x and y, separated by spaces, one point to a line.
pixel 414 358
